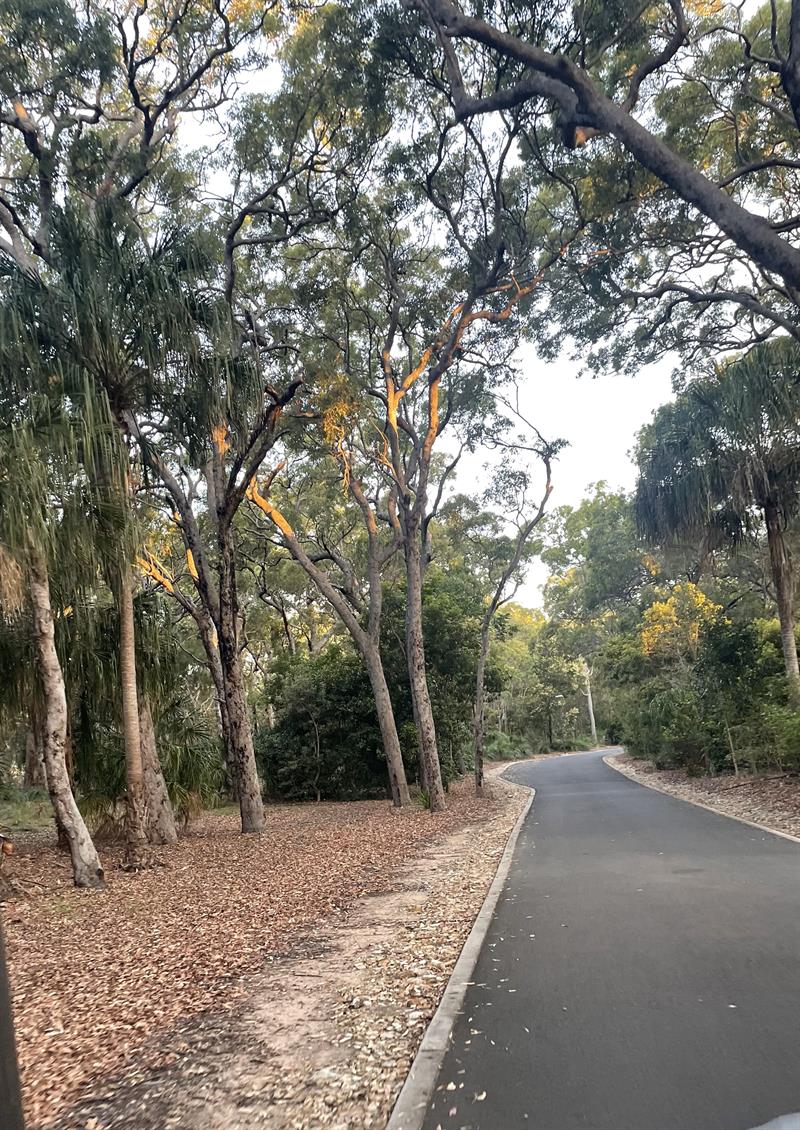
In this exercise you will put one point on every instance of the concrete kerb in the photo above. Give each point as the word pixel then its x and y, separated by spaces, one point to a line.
pixel 699 804
pixel 412 1102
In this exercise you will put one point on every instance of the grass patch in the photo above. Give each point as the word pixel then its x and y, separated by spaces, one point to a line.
pixel 25 810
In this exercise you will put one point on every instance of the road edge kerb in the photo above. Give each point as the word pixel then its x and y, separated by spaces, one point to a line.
pixel 699 804
pixel 412 1103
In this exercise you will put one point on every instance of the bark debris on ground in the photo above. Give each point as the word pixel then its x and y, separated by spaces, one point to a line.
pixel 283 980
pixel 773 801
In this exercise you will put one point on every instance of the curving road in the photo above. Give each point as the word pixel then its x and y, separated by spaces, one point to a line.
pixel 642 971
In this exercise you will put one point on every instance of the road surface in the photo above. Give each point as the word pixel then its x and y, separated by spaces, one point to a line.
pixel 642 971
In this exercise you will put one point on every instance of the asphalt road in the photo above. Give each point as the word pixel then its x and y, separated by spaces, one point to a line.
pixel 642 971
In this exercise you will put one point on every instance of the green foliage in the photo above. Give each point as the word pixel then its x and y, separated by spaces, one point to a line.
pixel 502 747
pixel 24 810
pixel 451 611
pixel 683 674
pixel 325 743
pixel 725 450
pixel 725 710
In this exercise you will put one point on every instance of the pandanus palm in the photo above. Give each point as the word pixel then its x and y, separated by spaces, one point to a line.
pixel 723 459
pixel 197 418
pixel 41 514
pixel 84 322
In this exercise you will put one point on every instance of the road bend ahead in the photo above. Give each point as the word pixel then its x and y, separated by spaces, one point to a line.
pixel 642 971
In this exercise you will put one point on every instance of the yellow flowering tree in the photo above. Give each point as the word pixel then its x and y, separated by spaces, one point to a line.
pixel 671 628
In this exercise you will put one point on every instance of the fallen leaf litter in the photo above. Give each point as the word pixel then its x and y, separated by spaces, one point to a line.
pixel 136 1008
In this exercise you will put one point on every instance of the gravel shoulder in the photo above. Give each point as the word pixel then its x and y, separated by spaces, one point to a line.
pixel 771 802
pixel 286 981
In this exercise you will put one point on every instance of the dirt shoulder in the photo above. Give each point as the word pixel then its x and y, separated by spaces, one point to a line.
pixel 279 981
pixel 773 802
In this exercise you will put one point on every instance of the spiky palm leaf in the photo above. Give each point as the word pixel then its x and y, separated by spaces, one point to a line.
pixel 728 446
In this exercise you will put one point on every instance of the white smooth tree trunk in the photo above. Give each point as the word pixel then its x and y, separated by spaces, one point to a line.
pixel 86 868
pixel 587 674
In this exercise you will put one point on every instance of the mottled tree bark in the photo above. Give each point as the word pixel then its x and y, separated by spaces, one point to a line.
pixel 367 642
pixel 33 776
pixel 388 727
pixel 418 679
pixel 159 817
pixel 242 754
pixel 86 868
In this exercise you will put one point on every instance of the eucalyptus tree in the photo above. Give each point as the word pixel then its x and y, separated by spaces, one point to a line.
pixel 724 457
pixel 672 128
pixel 506 548
pixel 92 95
pixel 91 101
pixel 440 257
pixel 344 555
pixel 230 387
pixel 94 317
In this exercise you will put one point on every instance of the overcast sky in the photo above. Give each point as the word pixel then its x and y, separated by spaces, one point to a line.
pixel 599 417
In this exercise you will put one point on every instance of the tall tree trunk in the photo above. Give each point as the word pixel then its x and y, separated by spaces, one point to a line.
pixel 415 651
pixel 368 643
pixel 206 629
pixel 135 837
pixel 86 868
pixel 69 760
pixel 159 817
pixel 34 776
pixel 388 727
pixel 480 700
pixel 587 674
pixel 783 578
pixel 242 754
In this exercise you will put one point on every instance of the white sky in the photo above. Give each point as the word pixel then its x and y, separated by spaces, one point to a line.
pixel 599 417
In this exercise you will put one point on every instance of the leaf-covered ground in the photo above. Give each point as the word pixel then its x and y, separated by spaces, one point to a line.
pixel 323 1036
pixel 97 975
pixel 771 801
